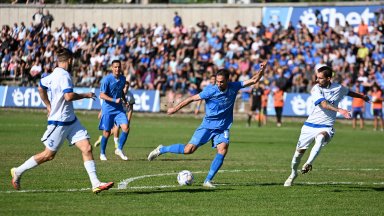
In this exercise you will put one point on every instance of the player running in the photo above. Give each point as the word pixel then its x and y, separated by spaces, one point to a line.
pixel 319 125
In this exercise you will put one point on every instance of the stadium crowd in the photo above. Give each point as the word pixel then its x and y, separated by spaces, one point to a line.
pixel 181 59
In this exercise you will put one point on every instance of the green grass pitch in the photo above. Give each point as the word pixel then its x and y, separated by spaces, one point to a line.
pixel 347 177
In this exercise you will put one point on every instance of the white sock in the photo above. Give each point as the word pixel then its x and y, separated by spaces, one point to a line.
pixel 116 139
pixel 28 164
pixel 319 140
pixel 91 170
pixel 295 162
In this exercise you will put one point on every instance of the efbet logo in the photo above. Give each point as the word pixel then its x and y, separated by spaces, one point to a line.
pixel 330 15
pixel 141 102
pixel 29 98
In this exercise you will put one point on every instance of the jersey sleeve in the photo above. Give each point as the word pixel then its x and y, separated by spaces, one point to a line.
pixel 237 85
pixel 45 83
pixel 317 95
pixel 344 90
pixel 66 84
pixel 207 92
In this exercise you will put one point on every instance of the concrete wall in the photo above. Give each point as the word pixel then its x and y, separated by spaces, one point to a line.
pixel 161 14
pixel 114 15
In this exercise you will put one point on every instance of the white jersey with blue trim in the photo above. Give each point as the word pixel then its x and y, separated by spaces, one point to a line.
pixel 57 84
pixel 321 117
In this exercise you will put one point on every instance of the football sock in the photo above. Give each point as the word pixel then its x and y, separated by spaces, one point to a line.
pixel 116 140
pixel 91 170
pixel 103 144
pixel 28 164
pixel 249 119
pixel 319 140
pixel 215 166
pixel 175 148
pixel 122 139
pixel 295 162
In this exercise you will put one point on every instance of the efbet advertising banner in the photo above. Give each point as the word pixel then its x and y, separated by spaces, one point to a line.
pixel 28 97
pixel 307 15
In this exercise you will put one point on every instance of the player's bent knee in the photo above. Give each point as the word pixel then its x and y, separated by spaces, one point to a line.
pixel 189 149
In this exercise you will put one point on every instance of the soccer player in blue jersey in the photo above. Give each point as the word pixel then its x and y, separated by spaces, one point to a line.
pixel 112 111
pixel 219 99
pixel 62 123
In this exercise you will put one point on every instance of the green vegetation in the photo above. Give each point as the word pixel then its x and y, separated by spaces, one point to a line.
pixel 347 177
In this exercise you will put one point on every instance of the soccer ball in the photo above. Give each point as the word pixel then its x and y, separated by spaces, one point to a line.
pixel 185 177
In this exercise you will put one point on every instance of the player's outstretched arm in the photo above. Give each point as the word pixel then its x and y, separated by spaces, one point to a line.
pixel 257 76
pixel 72 96
pixel 324 104
pixel 356 95
pixel 183 104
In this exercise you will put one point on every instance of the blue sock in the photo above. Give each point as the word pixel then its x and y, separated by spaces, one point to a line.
pixel 215 166
pixel 175 148
pixel 123 137
pixel 103 144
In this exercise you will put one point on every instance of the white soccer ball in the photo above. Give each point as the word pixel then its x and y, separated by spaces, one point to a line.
pixel 185 177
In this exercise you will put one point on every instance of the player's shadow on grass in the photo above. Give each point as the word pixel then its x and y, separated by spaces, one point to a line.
pixel 363 188
pixel 181 190
pixel 174 159
pixel 249 184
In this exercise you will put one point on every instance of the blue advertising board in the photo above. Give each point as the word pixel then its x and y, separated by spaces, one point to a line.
pixel 28 97
pixel 308 16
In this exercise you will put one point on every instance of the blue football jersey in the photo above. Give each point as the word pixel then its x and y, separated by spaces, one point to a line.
pixel 219 105
pixel 113 88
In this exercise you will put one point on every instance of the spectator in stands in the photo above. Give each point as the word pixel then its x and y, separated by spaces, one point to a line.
pixel 48 19
pixel 177 21
pixel 35 72
pixel 377 103
pixel 358 107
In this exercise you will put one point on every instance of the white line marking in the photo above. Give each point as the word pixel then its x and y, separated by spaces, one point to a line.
pixel 125 182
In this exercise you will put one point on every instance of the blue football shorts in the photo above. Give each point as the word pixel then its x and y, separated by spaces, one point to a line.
pixel 203 135
pixel 107 121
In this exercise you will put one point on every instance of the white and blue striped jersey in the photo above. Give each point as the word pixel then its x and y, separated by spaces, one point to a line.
pixel 321 117
pixel 57 84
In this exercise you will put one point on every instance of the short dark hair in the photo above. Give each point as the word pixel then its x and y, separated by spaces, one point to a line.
pixel 63 54
pixel 224 73
pixel 116 61
pixel 326 70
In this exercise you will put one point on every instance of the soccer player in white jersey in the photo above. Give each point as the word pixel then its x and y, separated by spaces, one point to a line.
pixel 319 125
pixel 219 102
pixel 62 123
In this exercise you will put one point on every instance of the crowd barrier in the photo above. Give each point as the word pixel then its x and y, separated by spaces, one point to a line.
pixel 295 105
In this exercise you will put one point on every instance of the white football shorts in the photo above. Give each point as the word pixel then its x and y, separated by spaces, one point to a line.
pixel 55 135
pixel 308 135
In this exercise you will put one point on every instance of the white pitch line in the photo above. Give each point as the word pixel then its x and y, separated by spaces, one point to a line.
pixel 124 183
pixel 130 180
